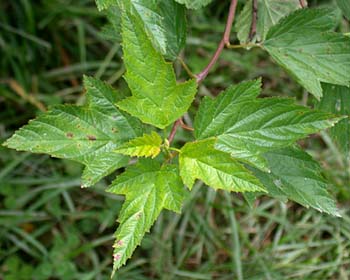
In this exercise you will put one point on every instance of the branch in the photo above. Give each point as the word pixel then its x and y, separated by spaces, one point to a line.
pixel 176 124
pixel 184 126
pixel 230 18
pixel 252 32
pixel 303 4
pixel 224 41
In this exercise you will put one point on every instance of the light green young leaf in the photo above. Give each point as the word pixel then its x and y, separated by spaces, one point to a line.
pixel 194 4
pixel 157 98
pixel 147 145
pixel 296 175
pixel 148 188
pixel 269 13
pixel 336 99
pixel 246 127
pixel 199 160
pixel 88 134
pixel 344 5
pixel 303 43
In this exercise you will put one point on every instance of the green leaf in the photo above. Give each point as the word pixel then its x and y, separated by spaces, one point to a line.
pixel 104 4
pixel 87 134
pixel 269 13
pixel 174 26
pixel 112 29
pixel 147 145
pixel 296 175
pixel 194 4
pixel 157 98
pixel 344 5
pixel 336 99
pixel 163 21
pixel 246 127
pixel 303 43
pixel 148 188
pixel 199 160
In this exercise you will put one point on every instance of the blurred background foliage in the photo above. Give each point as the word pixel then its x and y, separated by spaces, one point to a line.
pixel 52 229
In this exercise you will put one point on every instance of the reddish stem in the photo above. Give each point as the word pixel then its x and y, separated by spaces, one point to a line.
pixel 224 41
pixel 184 126
pixel 230 18
pixel 254 19
pixel 176 124
pixel 303 3
pixel 202 75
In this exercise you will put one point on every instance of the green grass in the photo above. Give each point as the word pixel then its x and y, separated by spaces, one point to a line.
pixel 53 229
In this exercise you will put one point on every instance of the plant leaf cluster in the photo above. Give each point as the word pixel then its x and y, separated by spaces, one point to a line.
pixel 242 143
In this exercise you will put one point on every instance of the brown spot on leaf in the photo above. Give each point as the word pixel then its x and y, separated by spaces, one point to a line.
pixel 116 257
pixel 91 137
pixel 70 134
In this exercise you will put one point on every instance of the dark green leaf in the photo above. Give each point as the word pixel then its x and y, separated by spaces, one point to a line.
pixel 336 99
pixel 344 5
pixel 194 4
pixel 295 174
pixel 163 21
pixel 246 126
pixel 303 43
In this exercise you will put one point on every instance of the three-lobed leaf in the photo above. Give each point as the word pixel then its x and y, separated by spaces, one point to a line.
pixel 305 45
pixel 269 12
pixel 148 188
pixel 88 134
pixel 157 98
pixel 199 160
pixel 246 126
pixel 147 145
